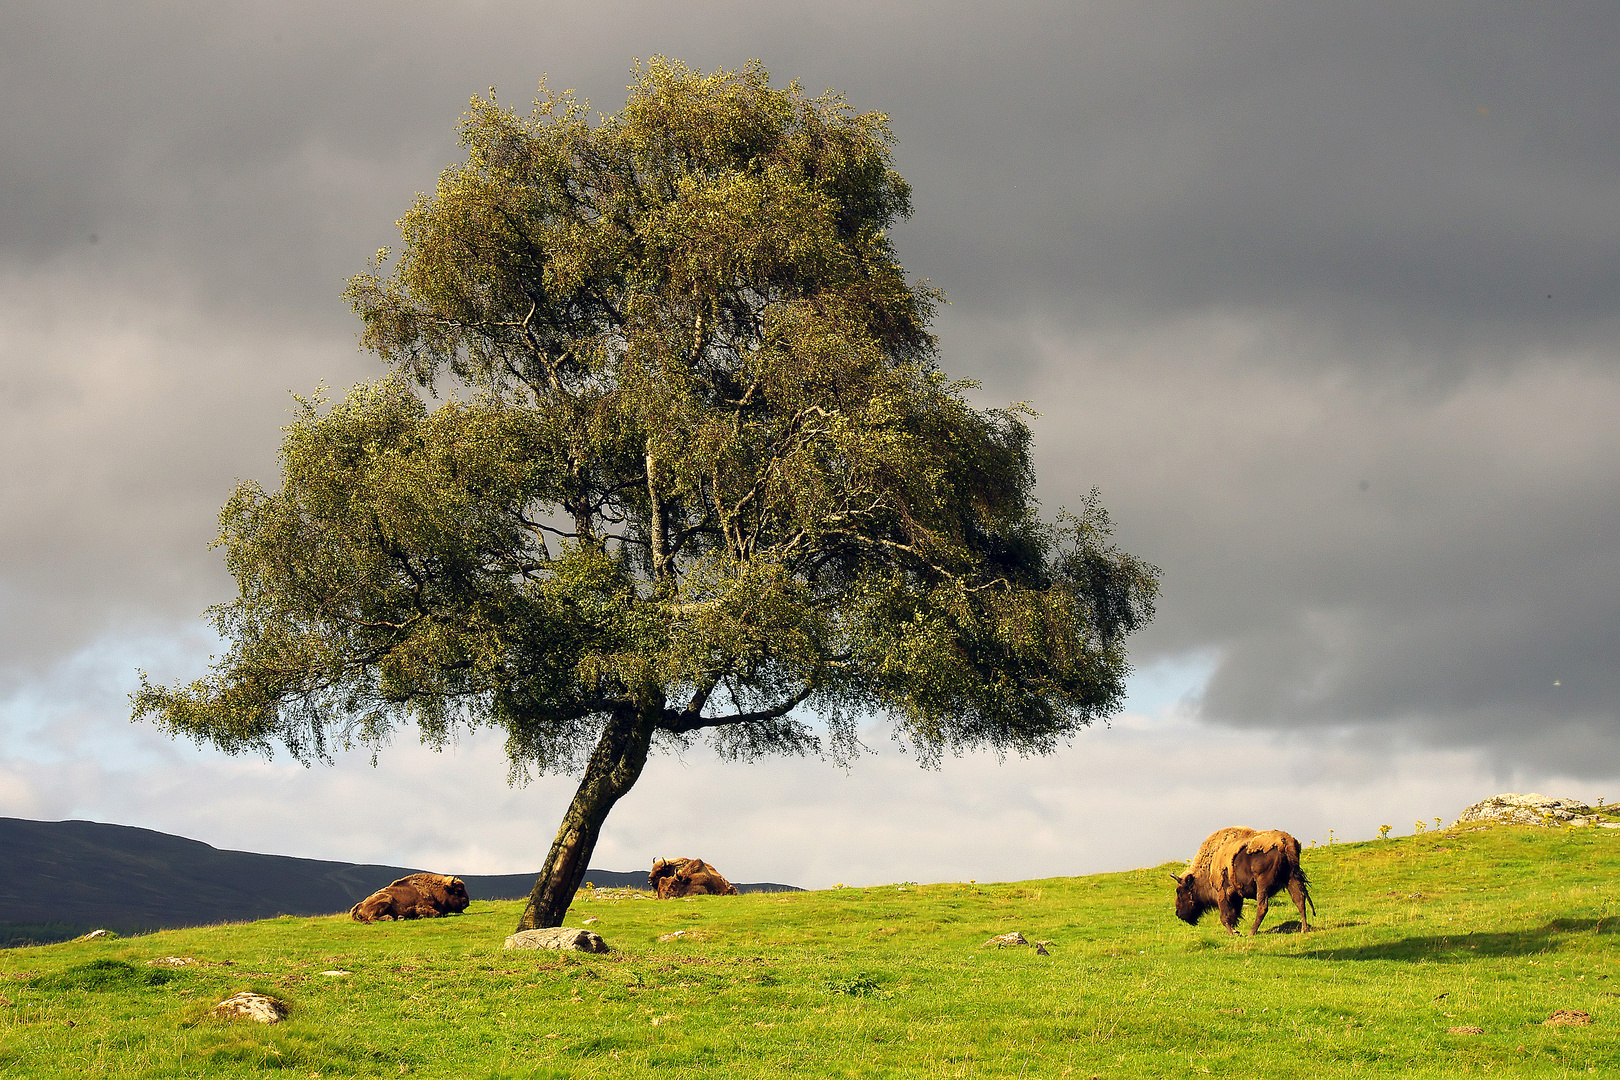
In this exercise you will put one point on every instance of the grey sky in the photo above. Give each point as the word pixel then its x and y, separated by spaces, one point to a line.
pixel 1324 297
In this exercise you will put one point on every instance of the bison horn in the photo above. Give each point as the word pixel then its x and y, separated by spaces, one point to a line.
pixel 1175 879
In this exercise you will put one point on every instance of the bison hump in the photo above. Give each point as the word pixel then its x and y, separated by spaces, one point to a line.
pixel 1272 840
pixel 1217 850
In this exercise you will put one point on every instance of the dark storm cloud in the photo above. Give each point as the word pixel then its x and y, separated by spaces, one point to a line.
pixel 1441 566
pixel 1435 162
pixel 1246 258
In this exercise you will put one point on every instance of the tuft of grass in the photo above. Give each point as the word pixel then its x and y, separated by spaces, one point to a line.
pixel 862 984
pixel 103 975
pixel 1489 927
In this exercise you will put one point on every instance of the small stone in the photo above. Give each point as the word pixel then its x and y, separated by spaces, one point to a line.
pixel 171 961
pixel 590 920
pixel 1466 1029
pixel 1568 1018
pixel 335 973
pixel 1002 941
pixel 250 1006
pixel 567 938
pixel 93 935
pixel 675 936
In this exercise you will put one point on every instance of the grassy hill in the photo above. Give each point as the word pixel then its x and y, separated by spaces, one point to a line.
pixel 1492 928
pixel 62 878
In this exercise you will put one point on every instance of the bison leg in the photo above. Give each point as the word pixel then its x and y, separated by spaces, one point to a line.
pixel 1262 904
pixel 1231 909
pixel 1296 893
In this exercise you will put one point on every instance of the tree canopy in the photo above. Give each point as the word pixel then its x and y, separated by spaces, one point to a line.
pixel 697 473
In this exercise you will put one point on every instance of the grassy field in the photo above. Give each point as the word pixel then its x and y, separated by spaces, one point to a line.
pixel 1491 928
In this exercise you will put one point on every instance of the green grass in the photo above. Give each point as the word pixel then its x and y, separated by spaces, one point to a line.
pixel 1494 928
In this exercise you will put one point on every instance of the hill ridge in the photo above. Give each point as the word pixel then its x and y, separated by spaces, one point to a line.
pixel 75 875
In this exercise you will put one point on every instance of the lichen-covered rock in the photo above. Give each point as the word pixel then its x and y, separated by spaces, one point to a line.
pixel 250 1006
pixel 567 938
pixel 1530 809
pixel 1002 941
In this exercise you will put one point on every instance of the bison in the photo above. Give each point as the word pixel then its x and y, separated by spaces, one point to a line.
pixel 672 878
pixel 1237 864
pixel 415 896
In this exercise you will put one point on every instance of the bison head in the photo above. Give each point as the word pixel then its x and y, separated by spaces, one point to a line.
pixel 455 893
pixel 1189 909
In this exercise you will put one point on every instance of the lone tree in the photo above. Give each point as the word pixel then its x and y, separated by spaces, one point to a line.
pixel 702 476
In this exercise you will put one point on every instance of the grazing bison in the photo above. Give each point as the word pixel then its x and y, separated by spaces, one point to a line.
pixel 415 896
pixel 672 878
pixel 1237 864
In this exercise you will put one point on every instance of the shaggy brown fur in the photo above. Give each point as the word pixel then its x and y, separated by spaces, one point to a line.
pixel 415 896
pixel 1239 864
pixel 671 878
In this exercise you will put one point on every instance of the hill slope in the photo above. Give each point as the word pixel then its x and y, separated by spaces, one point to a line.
pixel 78 875
pixel 1433 956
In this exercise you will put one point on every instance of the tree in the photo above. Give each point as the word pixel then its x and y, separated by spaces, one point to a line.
pixel 705 478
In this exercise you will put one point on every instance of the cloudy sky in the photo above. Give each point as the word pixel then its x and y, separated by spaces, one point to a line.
pixel 1323 297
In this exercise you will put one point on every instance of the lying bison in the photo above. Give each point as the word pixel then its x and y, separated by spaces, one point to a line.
pixel 1237 864
pixel 672 878
pixel 415 896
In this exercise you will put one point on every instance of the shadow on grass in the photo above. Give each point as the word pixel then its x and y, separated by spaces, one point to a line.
pixel 1462 947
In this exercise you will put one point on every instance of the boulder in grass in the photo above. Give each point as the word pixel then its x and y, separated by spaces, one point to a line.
pixel 566 938
pixel 260 1008
pixel 1003 941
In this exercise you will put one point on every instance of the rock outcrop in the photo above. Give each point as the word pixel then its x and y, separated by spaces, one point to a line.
pixel 1533 809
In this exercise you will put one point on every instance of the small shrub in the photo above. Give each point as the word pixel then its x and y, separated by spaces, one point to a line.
pixel 860 985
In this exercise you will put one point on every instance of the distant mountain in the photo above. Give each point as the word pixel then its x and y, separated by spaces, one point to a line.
pixel 59 879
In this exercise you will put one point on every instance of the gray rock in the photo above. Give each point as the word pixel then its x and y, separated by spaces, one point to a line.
pixel 568 938
pixel 251 1006
pixel 1529 809
pixel 1002 941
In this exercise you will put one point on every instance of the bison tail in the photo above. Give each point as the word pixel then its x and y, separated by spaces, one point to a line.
pixel 1305 887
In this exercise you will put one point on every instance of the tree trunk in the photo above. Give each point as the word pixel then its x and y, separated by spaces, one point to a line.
pixel 615 765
